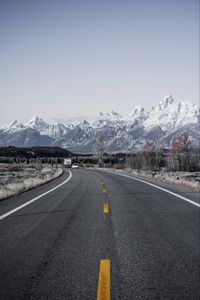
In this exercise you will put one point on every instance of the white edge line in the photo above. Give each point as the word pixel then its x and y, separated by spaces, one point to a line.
pixel 156 186
pixel 34 199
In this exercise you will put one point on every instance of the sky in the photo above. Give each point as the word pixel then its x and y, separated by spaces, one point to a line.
pixel 69 58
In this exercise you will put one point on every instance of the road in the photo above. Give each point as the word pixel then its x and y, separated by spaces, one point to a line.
pixel 62 245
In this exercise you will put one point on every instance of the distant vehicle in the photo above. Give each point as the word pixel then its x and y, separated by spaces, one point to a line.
pixel 67 162
pixel 75 166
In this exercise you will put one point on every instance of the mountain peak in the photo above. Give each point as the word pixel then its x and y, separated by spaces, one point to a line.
pixel 138 111
pixel 37 123
pixel 110 115
pixel 171 115
pixel 166 101
pixel 35 119
pixel 16 124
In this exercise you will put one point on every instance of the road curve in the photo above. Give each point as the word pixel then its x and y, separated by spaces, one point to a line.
pixel 53 248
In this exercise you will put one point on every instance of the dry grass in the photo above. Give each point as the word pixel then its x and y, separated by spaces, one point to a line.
pixel 14 188
pixel 14 168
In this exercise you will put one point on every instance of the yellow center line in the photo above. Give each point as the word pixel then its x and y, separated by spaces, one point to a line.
pixel 105 208
pixel 104 190
pixel 104 280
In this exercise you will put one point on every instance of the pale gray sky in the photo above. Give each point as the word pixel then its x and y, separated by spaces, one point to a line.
pixel 62 59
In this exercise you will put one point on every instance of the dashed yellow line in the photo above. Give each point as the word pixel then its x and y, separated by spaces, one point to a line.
pixel 105 208
pixel 104 280
pixel 104 190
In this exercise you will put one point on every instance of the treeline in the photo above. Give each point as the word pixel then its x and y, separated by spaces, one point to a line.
pixel 154 160
pixel 183 160
pixel 32 152
pixel 106 160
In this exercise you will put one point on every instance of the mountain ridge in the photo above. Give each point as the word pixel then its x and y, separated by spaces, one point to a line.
pixel 132 133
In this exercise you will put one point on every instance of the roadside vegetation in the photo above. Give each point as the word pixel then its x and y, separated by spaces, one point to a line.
pixel 25 168
pixel 18 178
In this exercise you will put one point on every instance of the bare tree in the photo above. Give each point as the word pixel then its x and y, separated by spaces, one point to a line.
pixel 100 147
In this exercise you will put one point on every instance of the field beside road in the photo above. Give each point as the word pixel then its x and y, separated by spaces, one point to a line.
pixel 17 178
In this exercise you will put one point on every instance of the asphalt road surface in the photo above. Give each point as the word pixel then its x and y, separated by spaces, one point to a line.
pixel 96 234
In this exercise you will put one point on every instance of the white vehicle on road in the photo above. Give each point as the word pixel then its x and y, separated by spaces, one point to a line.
pixel 67 162
pixel 75 166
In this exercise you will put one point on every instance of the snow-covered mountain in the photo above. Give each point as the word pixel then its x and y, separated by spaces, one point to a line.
pixel 37 124
pixel 140 129
pixel 14 127
pixel 171 115
pixel 113 115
